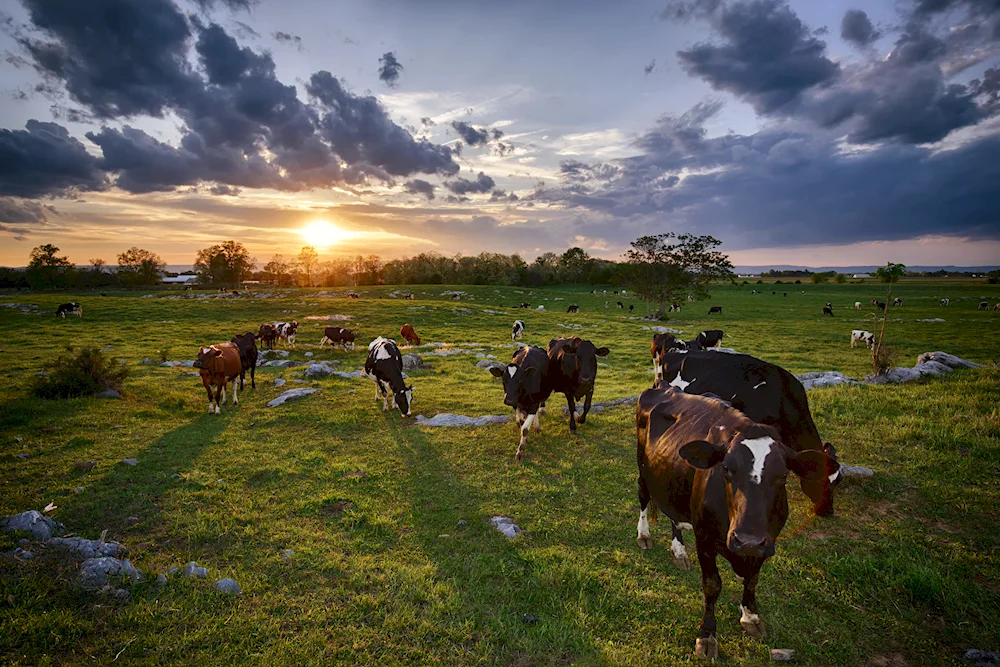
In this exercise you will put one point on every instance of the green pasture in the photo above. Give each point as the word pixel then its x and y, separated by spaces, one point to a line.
pixel 906 573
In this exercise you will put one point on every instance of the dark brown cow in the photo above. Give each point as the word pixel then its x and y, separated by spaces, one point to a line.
pixel 268 335
pixel 219 364
pixel 337 335
pixel 409 335
pixel 247 344
pixel 704 463
pixel 573 371
pixel 526 387
pixel 715 309
pixel 663 343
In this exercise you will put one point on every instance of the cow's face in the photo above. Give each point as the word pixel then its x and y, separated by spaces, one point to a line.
pixel 754 469
pixel 205 356
pixel 404 400
pixel 518 382
pixel 580 358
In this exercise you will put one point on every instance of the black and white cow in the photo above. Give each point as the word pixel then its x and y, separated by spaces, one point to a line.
pixel 984 305
pixel 385 365
pixel 338 336
pixel 945 302
pixel 897 301
pixel 69 309
pixel 286 331
pixel 827 310
pixel 517 330
pixel 674 308
pixel 573 309
pixel 525 305
pixel 706 339
pixel 621 305
pixel 860 335
pixel 857 305
pixel 247 345
pixel 526 387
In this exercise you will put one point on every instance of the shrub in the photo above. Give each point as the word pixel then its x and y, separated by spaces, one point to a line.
pixel 884 358
pixel 164 353
pixel 83 373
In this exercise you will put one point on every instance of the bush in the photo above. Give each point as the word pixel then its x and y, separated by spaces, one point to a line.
pixel 164 353
pixel 84 373
pixel 798 282
pixel 884 358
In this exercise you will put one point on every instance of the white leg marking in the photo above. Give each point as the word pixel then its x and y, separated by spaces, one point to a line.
pixel 643 527
pixel 677 549
pixel 748 616
pixel 236 399
pixel 527 424
pixel 211 407
pixel 759 448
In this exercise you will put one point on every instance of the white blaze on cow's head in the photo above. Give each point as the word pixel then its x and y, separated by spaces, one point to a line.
pixel 404 400
pixel 205 355
pixel 518 381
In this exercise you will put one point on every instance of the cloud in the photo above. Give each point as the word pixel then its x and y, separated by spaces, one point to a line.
pixel 857 29
pixel 232 5
pixel 463 186
pixel 43 160
pixel 245 31
pixel 19 211
pixel 288 38
pixel 389 68
pixel 224 190
pixel 648 69
pixel 418 186
pixel 470 134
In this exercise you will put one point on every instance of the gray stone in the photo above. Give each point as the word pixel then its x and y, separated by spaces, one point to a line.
pixel 411 361
pixel 171 571
pixel 949 360
pixel 982 658
pixel 290 395
pixel 170 364
pixel 43 374
pixel 85 548
pixel 130 462
pixel 120 593
pixel 488 364
pixel 782 654
pixel 22 456
pixel 108 393
pixel 228 586
pixel 147 360
pixel 817 379
pixel 317 371
pixel 279 381
pixel 78 489
pixel 95 572
pixel 856 471
pixel 308 354
pixel 506 525
pixel 462 523
pixel 284 363
pixel 447 419
pixel 161 580
pixel 601 406
pixel 23 554
pixel 176 475
pixel 40 526
pixel 192 569
pixel 287 554
pixel 131 521
pixel 24 542
pixel 932 368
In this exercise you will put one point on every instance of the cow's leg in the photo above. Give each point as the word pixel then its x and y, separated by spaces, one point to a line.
pixel 586 407
pixel 711 585
pixel 211 399
pixel 253 373
pixel 537 424
pixel 525 428
pixel 243 373
pixel 571 403
pixel 677 547
pixel 750 619
pixel 643 539
pixel 220 396
pixel 236 398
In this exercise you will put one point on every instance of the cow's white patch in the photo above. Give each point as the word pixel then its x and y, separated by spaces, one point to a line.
pixel 382 352
pixel 759 448
pixel 757 386
pixel 677 549
pixel 643 527
pixel 679 382
pixel 511 370
pixel 748 616
pixel 527 424
pixel 658 371
pixel 684 525
pixel 833 478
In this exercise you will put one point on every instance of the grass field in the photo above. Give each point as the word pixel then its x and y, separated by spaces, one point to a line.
pixel 906 573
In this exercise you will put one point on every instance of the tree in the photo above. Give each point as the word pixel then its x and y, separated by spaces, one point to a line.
pixel 665 267
pixel 891 273
pixel 819 278
pixel 573 265
pixel 45 269
pixel 308 259
pixel 279 269
pixel 840 279
pixel 140 267
pixel 882 355
pixel 225 263
pixel 97 265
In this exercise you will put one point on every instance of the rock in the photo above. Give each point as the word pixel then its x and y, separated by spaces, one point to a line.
pixel 317 371
pixel 309 354
pixel 160 581
pixel 95 572
pixel 488 364
pixel 22 456
pixel 192 569
pixel 40 526
pixel 287 554
pixel 228 586
pixel 411 361
pixel 24 542
pixel 23 554
pixel 131 521
pixel 147 360
pixel 949 360
pixel 284 363
pixel 78 489
pixel 982 658
pixel 933 368
pixel 819 379
pixel 856 471
pixel 529 619
pixel 42 374
pixel 18 439
pixel 352 375
pixel 108 393
pixel 171 571
pixel 279 381
pixel 274 353
pixel 291 395
pixel 176 475
pixel 85 548
pixel 447 419
pixel 782 654
pixel 84 466
pixel 462 523
pixel 603 405
pixel 659 329
pixel 170 364
pixel 506 526
pixel 130 462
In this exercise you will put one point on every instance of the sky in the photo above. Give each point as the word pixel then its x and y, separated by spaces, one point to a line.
pixel 799 132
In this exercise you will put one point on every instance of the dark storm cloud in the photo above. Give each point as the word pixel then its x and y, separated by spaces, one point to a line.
pixel 288 38
pixel 418 186
pixel 857 28
pixel 44 160
pixel 21 211
pixel 463 186
pixel 233 5
pixel 471 135
pixel 224 190
pixel 389 68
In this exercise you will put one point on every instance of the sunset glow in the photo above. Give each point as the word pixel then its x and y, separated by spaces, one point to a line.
pixel 322 234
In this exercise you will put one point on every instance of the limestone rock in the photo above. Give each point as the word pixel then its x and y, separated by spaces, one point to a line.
pixel 95 572
pixel 506 525
pixel 192 569
pixel 291 395
pixel 86 548
pixel 447 419
pixel 411 361
pixel 228 586
pixel 40 526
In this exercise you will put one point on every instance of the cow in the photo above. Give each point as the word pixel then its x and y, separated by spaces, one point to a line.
pixel 286 331
pixel 663 343
pixel 71 308
pixel 674 308
pixel 983 305
pixel 945 302
pixel 880 305
pixel 897 301
pixel 827 310
pixel 631 307
pixel 219 365
pixel 517 330
pixel 767 394
pixel 605 304
pixel 573 309
pixel 621 306
pixel 353 295
pixel 624 293
pixel 706 339
pixel 456 297
pixel 573 371
pixel 690 298
pixel 337 335
pixel 874 302
pixel 996 308
pixel 616 292
pixel 385 365
pixel 525 305
pixel 704 463
pixel 268 335
pixel 592 292
pixel 409 296
pixel 409 335
pixel 246 343
pixel 715 309
pixel 857 305
pixel 863 336
pixel 784 294
pixel 526 387
pixel 753 291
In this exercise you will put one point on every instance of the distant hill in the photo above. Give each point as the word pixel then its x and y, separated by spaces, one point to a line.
pixel 859 269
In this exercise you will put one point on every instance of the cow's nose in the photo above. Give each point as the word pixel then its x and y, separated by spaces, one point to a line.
pixel 510 402
pixel 751 545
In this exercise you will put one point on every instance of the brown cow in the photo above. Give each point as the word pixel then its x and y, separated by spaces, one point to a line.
pixel 219 364
pixel 268 334
pixel 409 335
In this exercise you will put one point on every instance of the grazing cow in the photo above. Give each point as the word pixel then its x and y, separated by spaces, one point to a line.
pixel 663 343
pixel 218 365
pixel 385 365
pixel 983 305
pixel 784 294
pixel 706 339
pixel 624 293
pixel 773 293
pixel 573 371
pixel 674 308
pixel 996 308
pixel 573 309
pixel 337 335
pixel 616 292
pixel 525 305
pixel 715 309
pixel 765 393
pixel 456 297
pixel 880 305
pixel 409 296
pixel 631 307
pixel 409 335
pixel 517 330
pixel 857 305
pixel 353 295
pixel 246 343
pixel 526 387
pixel 707 464
pixel 286 331
pixel 827 310
pixel 605 304
pixel 829 305
pixel 753 291
pixel 268 334
pixel 690 298
pixel 72 308
pixel 863 336
pixel 945 302
pixel 621 305
pixel 593 292
pixel 897 301
pixel 604 292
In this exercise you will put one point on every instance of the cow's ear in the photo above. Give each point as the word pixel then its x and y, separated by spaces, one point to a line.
pixel 530 370
pixel 497 372
pixel 216 352
pixel 812 464
pixel 603 352
pixel 702 454
pixel 570 349
pixel 830 450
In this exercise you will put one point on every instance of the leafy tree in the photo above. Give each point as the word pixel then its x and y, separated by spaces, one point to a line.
pixel 891 273
pixel 573 265
pixel 278 269
pixel 882 355
pixel 47 270
pixel 307 260
pixel 664 268
pixel 819 278
pixel 840 279
pixel 225 263
pixel 140 267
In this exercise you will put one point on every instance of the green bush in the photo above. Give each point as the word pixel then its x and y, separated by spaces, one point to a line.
pixel 83 373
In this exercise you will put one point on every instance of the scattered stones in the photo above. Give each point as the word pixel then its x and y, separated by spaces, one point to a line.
pixel 171 571
pixel 43 374
pixel 192 569
pixel 84 466
pixel 351 375
pixel 506 525
pixel 23 554
pixel 949 360
pixel 309 354
pixel 78 489
pixel 24 542
pixel 447 419
pixel 982 658
pixel 170 364
pixel 79 546
pixel 228 586
pixel 659 329
pixel 489 363
pixel 95 572
pixel 462 523
pixel 284 363
pixel 160 581
pixel 147 361
pixel 291 395
pixel 40 526
pixel 23 456
pixel 317 371
pixel 602 405
pixel 818 379
pixel 108 393
pixel 856 471
pixel 933 319
pixel 782 654
pixel 130 462
pixel 411 361
pixel 279 381
pixel 131 521
pixel 287 554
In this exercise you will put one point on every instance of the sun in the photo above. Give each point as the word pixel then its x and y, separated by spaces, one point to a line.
pixel 322 234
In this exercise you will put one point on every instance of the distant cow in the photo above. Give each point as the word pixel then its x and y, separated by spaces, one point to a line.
pixel 690 298
pixel 286 332
pixel 409 335
pixel 353 295
pixel 880 305
pixel 621 305
pixel 631 307
pixel 945 302
pixel 456 297
pixel 409 296
pixel 996 308
pixel 573 371
pixel 897 301
pixel 268 335
pixel 573 309
pixel 863 336
pixel 674 308
pixel 827 310
pixel 663 343
pixel 385 365
pixel 526 387
pixel 857 305
pixel 707 339
pixel 715 309
pixel 247 345
pixel 517 330
pixel 337 336
pixel 707 464
pixel 983 305
pixel 219 365
pixel 69 308
pixel 525 305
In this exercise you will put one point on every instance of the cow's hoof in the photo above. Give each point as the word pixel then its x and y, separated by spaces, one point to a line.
pixel 682 562
pixel 518 456
pixel 582 419
pixel 645 542
pixel 707 647
pixel 753 626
